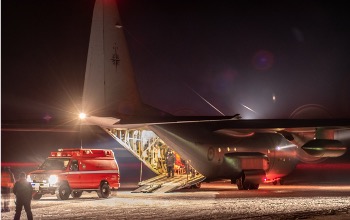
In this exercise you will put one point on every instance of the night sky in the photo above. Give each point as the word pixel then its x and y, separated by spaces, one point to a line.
pixel 262 59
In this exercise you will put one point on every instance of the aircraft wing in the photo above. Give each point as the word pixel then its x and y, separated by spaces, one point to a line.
pixel 286 127
pixel 227 123
pixel 295 125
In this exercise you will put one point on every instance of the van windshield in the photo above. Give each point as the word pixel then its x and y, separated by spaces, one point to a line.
pixel 55 164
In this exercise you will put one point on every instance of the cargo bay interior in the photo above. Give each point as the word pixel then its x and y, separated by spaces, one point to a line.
pixel 152 151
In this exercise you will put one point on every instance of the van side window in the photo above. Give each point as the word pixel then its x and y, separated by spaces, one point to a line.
pixel 74 166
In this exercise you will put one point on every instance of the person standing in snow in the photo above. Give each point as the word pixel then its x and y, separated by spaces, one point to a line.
pixel 23 191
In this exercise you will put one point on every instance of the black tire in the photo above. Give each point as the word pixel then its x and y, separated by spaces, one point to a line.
pixel 254 186
pixel 37 196
pixel 239 183
pixel 63 191
pixel 250 186
pixel 282 182
pixel 104 190
pixel 246 186
pixel 76 194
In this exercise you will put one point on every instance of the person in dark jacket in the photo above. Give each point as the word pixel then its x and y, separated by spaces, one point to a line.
pixel 170 163
pixel 23 191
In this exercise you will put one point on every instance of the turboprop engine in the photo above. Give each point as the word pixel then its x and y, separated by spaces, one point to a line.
pixel 324 148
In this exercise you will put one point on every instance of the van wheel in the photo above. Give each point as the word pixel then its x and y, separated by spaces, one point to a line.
pixel 76 194
pixel 104 190
pixel 37 196
pixel 63 191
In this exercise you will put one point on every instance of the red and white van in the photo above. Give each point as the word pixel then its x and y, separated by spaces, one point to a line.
pixel 72 171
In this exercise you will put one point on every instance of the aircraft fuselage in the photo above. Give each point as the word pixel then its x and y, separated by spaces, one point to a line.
pixel 222 157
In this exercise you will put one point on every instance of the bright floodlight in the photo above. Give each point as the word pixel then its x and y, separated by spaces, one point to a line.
pixel 82 115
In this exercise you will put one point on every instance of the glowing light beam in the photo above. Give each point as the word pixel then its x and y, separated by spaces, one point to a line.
pixel 206 101
pixel 249 108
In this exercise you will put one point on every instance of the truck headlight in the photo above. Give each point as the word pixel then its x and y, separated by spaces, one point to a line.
pixel 53 179
pixel 29 179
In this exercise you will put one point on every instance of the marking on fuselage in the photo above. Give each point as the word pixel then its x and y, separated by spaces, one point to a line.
pixel 115 57
pixel 211 153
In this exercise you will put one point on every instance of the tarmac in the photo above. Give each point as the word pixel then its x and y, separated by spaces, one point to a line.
pixel 219 200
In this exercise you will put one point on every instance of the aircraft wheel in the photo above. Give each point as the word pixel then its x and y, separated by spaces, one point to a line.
pixel 76 194
pixel 246 186
pixel 254 186
pixel 37 196
pixel 239 183
pixel 63 192
pixel 274 182
pixel 104 190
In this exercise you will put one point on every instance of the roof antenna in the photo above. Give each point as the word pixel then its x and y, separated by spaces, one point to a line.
pixel 81 138
pixel 205 100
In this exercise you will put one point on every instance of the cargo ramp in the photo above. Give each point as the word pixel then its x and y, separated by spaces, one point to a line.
pixel 164 184
pixel 146 146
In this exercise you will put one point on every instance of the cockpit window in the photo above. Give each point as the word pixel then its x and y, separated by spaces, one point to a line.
pixel 54 164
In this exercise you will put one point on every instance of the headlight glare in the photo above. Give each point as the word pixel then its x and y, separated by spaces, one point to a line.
pixel 29 179
pixel 53 179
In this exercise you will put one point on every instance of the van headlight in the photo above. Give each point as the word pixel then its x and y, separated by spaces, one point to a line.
pixel 53 179
pixel 29 179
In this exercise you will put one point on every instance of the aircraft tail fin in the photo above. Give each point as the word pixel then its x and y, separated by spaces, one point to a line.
pixel 110 84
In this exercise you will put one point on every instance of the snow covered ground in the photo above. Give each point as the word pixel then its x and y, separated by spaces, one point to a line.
pixel 209 202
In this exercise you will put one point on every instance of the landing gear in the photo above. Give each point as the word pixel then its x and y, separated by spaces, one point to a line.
pixel 243 185
pixel 239 183
pixel 253 186
pixel 280 181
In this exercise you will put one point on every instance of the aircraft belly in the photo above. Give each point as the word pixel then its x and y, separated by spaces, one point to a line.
pixel 208 151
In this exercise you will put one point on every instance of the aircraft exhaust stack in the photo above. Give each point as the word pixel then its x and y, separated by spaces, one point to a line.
pixel 324 148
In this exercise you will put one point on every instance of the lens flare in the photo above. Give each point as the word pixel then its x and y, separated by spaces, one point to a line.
pixel 82 116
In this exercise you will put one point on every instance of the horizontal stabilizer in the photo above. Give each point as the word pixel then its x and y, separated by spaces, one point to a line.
pixel 101 121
